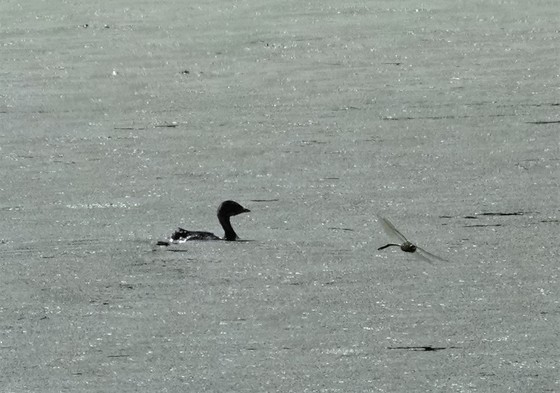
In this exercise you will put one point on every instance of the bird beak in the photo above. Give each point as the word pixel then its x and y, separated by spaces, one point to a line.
pixel 246 210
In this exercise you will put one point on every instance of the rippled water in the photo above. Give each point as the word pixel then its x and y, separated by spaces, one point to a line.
pixel 121 121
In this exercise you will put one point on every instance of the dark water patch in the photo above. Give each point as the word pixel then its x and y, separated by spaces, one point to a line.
pixel 264 200
pixel 65 162
pixel 533 105
pixel 426 348
pixel 520 213
pixel 482 225
pixel 340 229
pixel 190 174
pixel 541 122
pixel 444 117
pixel 476 216
pixel 171 125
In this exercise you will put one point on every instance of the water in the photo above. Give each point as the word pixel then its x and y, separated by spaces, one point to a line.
pixel 315 117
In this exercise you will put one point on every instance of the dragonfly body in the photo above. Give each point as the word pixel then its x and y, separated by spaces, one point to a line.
pixel 406 246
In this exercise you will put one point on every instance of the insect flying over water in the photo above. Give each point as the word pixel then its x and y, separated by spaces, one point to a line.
pixel 406 245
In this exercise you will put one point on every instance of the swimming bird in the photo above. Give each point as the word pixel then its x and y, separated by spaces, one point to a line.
pixel 226 210
pixel 405 246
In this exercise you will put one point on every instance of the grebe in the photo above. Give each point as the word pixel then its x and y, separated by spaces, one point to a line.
pixel 406 246
pixel 226 210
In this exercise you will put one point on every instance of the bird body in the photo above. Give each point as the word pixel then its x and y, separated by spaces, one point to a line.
pixel 226 210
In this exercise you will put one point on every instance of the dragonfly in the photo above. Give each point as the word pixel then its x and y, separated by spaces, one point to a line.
pixel 406 245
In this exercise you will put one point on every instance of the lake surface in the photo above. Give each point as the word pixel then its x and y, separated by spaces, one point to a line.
pixel 122 120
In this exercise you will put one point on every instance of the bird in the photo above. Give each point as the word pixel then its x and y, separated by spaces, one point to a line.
pixel 226 210
pixel 406 245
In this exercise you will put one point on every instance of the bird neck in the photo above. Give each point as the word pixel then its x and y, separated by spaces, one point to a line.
pixel 228 229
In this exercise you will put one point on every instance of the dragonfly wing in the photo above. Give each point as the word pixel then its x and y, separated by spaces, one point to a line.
pixel 423 257
pixel 390 229
pixel 427 254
